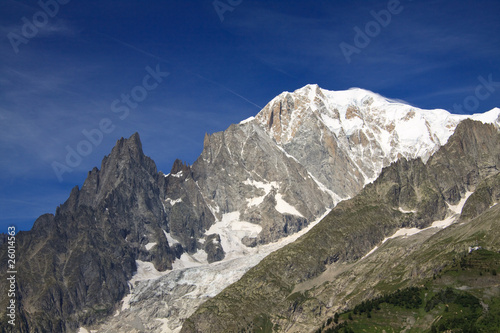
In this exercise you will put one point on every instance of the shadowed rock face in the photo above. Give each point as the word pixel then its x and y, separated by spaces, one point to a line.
pixel 214 249
pixel 75 265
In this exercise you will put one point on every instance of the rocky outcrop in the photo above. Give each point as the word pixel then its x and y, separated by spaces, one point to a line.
pixel 187 213
pixel 213 248
pixel 486 195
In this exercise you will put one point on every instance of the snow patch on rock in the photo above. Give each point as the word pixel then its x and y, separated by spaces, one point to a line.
pixel 247 120
pixel 173 202
pixel 457 209
pixel 267 187
pixel 149 246
pixel 171 241
pixel 284 207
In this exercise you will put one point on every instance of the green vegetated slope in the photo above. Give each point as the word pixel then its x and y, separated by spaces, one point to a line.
pixel 325 271
pixel 434 260
pixel 464 297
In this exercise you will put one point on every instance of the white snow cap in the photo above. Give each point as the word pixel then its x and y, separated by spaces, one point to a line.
pixel 399 128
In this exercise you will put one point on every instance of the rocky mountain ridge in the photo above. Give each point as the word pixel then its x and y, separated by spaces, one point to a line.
pixel 299 285
pixel 253 186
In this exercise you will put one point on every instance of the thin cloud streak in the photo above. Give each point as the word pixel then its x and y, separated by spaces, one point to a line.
pixel 183 69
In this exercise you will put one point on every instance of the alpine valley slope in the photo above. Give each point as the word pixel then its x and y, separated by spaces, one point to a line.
pixel 357 252
pixel 132 233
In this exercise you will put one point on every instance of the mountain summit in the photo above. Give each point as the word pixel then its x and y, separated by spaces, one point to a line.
pixel 364 130
pixel 133 239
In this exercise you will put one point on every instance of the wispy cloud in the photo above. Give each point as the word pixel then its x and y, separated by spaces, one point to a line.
pixel 274 66
pixel 55 28
pixel 59 28
pixel 449 92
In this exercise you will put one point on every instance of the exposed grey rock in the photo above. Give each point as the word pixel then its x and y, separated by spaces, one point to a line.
pixel 187 213
pixel 242 164
pixel 249 241
pixel 213 248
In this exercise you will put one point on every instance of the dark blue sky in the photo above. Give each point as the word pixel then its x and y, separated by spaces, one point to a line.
pixel 86 66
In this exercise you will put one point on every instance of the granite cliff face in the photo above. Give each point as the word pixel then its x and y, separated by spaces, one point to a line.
pixel 243 170
pixel 132 234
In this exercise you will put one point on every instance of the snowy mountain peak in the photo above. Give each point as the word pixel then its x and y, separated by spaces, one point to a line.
pixel 346 112
pixel 351 96
pixel 370 129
